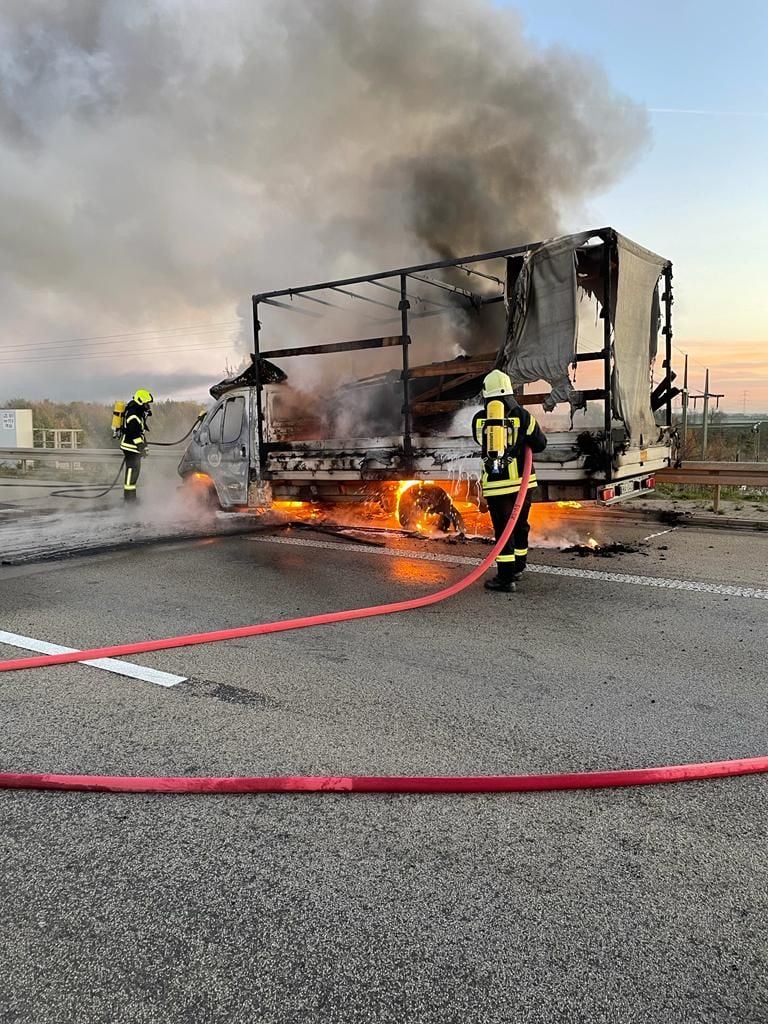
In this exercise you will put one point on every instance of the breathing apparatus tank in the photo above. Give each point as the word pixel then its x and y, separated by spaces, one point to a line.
pixel 495 437
pixel 118 417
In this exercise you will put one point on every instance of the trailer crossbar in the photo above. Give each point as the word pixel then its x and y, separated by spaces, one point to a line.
pixel 481 257
pixel 338 346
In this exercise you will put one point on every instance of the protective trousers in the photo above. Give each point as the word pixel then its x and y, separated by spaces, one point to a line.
pixel 514 555
pixel 132 472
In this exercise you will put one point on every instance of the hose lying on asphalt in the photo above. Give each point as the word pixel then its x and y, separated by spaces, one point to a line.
pixel 143 646
pixel 80 490
pixel 385 783
pixel 356 783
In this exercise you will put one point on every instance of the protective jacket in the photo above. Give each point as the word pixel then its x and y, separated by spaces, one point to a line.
pixel 134 428
pixel 503 477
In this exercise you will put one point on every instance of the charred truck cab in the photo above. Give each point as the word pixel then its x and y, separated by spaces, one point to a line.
pixel 555 316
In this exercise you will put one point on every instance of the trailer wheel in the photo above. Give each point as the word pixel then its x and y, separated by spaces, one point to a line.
pixel 426 507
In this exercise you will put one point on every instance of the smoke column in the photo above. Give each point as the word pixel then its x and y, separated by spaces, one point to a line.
pixel 160 161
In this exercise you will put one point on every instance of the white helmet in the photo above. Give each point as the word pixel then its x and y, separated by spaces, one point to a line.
pixel 496 384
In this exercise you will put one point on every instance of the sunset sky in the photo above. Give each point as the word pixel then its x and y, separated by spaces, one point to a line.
pixel 699 194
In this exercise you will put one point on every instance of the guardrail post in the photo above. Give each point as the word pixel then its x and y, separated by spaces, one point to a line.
pixel 716 500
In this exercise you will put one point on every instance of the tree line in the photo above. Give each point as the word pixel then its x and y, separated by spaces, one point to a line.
pixel 170 420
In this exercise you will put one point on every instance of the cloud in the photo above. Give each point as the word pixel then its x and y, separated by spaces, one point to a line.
pixel 107 384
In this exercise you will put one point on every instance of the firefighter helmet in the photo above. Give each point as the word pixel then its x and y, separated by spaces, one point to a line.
pixel 143 397
pixel 496 384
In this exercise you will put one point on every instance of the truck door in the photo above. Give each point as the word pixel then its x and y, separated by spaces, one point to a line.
pixel 226 449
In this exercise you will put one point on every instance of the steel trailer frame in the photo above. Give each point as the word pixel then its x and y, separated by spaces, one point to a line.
pixel 608 237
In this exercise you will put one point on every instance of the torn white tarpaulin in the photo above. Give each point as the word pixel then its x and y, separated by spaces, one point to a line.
pixel 635 321
pixel 543 318
pixel 541 336
pixel 543 323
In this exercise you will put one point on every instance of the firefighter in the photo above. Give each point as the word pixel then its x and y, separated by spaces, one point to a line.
pixel 504 428
pixel 133 441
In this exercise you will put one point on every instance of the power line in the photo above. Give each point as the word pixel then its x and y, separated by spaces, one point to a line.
pixel 54 347
pixel 690 358
pixel 160 331
pixel 83 357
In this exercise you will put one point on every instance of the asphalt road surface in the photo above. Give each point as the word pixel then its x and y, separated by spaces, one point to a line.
pixel 636 905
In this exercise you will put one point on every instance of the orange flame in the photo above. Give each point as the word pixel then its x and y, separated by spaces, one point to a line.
pixel 297 509
pixel 402 487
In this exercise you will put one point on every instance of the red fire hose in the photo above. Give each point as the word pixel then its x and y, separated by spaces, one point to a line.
pixel 118 650
pixel 359 783
pixel 385 783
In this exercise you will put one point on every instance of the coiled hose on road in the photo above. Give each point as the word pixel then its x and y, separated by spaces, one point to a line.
pixel 346 784
pixel 82 490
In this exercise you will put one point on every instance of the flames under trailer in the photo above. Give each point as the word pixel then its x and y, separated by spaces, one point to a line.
pixel 574 321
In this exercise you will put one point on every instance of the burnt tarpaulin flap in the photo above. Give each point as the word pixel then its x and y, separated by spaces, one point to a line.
pixel 268 374
pixel 541 333
pixel 635 337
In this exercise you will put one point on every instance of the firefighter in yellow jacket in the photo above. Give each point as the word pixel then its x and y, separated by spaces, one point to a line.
pixel 133 441
pixel 504 429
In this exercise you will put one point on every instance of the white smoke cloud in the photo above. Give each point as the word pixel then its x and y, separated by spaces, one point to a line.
pixel 163 159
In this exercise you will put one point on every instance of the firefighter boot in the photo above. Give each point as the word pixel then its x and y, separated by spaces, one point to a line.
pixel 505 586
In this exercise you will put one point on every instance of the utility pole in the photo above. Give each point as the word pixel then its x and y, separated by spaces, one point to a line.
pixel 685 403
pixel 705 418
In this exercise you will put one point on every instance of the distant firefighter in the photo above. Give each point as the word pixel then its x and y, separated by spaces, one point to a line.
pixel 503 429
pixel 132 429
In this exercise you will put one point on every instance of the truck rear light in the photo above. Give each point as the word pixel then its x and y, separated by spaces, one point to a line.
pixel 608 494
pixel 649 482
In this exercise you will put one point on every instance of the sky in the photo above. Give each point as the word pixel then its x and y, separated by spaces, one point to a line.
pixel 699 192
pixel 161 160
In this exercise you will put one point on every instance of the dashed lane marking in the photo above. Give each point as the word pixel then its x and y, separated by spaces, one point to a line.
pixel 726 589
pixel 120 668
pixel 661 533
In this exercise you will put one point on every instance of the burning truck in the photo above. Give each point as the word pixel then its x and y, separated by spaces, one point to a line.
pixel 575 322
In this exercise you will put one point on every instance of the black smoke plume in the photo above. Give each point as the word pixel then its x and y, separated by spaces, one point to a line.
pixel 160 161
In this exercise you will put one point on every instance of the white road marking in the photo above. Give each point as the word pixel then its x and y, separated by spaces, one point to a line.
pixel 662 533
pixel 728 590
pixel 120 668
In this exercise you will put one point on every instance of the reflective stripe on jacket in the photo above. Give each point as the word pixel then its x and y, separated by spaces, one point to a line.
pixel 133 439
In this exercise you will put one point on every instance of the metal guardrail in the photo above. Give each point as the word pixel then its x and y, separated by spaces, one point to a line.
pixel 78 454
pixel 708 474
pixel 717 475
pixel 727 474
